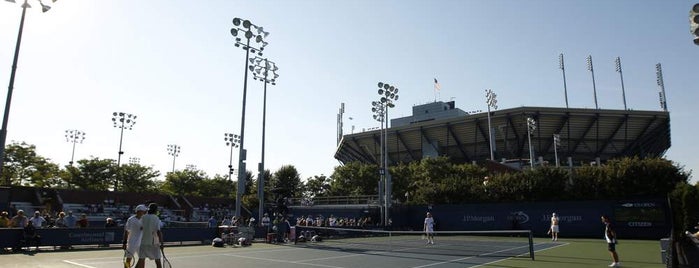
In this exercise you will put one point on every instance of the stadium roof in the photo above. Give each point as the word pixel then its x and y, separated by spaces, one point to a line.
pixel 585 135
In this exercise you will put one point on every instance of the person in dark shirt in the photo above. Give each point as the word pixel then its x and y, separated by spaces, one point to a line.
pixel 110 223
pixel 610 236
pixel 30 235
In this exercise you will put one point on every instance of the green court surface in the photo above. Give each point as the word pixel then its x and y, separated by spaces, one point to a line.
pixel 573 253
pixel 564 253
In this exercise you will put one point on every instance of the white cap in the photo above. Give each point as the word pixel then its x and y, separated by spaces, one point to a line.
pixel 141 207
pixel 554 214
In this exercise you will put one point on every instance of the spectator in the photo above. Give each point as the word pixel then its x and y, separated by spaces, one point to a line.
pixel 71 221
pixel 61 221
pixel 83 222
pixel 212 222
pixel 30 235
pixel 266 222
pixel 37 220
pixel 226 221
pixel 110 223
pixel 19 220
pixel 4 220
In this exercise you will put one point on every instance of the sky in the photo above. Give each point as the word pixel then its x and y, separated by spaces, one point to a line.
pixel 174 65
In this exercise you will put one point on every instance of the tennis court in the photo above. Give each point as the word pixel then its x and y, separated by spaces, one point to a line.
pixel 374 252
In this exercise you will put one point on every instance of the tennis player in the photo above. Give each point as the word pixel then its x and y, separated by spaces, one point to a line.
pixel 554 227
pixel 429 228
pixel 152 239
pixel 132 234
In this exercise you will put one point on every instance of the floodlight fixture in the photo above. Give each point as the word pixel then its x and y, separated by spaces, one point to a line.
pixel 74 136
pixel 122 121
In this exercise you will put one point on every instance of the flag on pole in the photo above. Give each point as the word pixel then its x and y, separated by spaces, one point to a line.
pixel 437 87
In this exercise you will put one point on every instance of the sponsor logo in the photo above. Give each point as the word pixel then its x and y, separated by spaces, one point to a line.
pixel 92 237
pixel 639 205
pixel 518 216
pixel 473 218
pixel 567 219
pixel 640 224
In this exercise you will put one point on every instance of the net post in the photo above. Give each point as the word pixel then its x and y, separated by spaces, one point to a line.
pixel 531 244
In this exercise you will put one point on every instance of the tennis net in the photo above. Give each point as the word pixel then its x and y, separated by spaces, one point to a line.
pixel 506 243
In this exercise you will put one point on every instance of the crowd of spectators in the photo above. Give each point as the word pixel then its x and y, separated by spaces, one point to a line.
pixel 333 221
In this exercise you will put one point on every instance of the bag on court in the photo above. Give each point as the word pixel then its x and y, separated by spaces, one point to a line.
pixel 217 242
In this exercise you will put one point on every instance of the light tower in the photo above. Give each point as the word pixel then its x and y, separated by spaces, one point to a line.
pixel 492 101
pixel 74 136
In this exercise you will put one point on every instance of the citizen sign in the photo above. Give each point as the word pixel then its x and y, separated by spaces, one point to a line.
pixel 640 224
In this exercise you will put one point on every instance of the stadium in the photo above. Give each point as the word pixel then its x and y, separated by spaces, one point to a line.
pixel 586 136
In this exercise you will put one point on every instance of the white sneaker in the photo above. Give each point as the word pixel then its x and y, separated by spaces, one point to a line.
pixel 614 264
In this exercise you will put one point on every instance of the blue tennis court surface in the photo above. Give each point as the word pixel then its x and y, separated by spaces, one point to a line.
pixel 261 255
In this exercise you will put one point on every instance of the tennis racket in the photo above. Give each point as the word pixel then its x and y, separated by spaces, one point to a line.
pixel 128 263
pixel 166 262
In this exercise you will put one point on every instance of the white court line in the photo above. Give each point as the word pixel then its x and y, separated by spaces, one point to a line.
pixel 466 258
pixel 513 257
pixel 78 264
pixel 282 261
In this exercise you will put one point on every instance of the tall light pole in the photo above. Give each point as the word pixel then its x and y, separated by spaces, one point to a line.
pixel 389 94
pixel 492 101
pixel 8 101
pixel 74 136
pixel 265 71
pixel 377 107
pixel 561 66
pixel 617 63
pixel 556 143
pixel 174 150
pixel 246 28
pixel 531 126
pixel 232 140
pixel 661 86
pixel 121 120
pixel 592 71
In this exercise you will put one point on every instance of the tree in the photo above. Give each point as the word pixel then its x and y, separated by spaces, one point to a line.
pixel 138 178
pixel 24 167
pixel 286 182
pixel 218 186
pixel 92 174
pixel 354 179
pixel 316 186
pixel 183 182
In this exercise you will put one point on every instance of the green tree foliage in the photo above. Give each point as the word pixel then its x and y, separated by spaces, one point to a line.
pixel 138 178
pixel 684 201
pixel 354 179
pixel 23 166
pixel 316 186
pixel 183 182
pixel 92 174
pixel 438 181
pixel 218 186
pixel 286 182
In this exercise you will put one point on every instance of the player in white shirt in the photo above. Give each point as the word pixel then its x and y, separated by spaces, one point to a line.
pixel 152 239
pixel 133 231
pixel 429 228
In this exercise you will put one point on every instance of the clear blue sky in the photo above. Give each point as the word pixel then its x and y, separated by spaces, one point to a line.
pixel 173 64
